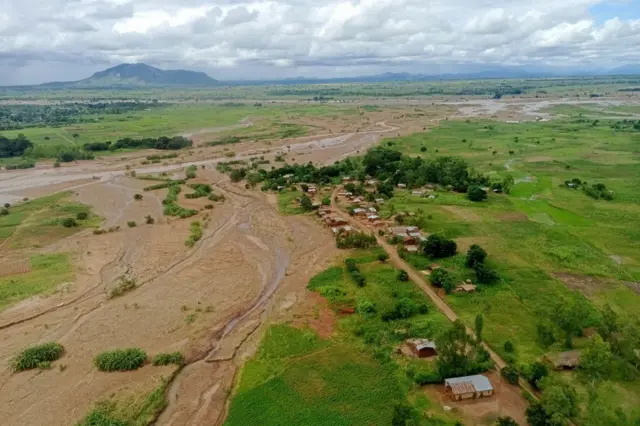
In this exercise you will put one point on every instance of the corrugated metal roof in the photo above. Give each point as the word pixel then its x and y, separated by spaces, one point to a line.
pixel 479 382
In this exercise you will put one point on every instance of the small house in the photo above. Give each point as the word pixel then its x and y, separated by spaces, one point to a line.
pixel 401 186
pixel 468 387
pixel 410 241
pixel 372 210
pixel 334 221
pixel 359 212
pixel 466 288
pixel 357 200
pixel 379 224
pixel 422 348
pixel 564 360
pixel 373 217
pixel 399 231
pixel 316 205
pixel 434 266
pixel 417 193
pixel 372 182
pixel 312 190
pixel 347 179
pixel 326 209
pixel 379 200
pixel 411 248
pixel 411 229
pixel 342 193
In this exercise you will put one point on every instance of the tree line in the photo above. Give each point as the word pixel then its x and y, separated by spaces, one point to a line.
pixel 163 142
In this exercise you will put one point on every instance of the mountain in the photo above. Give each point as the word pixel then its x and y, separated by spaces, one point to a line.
pixel 630 69
pixel 135 75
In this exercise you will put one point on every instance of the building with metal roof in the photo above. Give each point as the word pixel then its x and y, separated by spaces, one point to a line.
pixel 468 387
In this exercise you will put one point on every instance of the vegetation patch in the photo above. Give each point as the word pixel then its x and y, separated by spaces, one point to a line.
pixel 39 356
pixel 168 358
pixel 195 233
pixel 121 360
pixel 124 286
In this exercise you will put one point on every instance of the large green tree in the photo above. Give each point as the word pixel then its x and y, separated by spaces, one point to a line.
pixel 596 359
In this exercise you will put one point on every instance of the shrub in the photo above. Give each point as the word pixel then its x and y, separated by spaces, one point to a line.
pixel 356 240
pixel 440 277
pixel 69 222
pixel 149 220
pixel 427 378
pixel 403 276
pixel 535 372
pixel 82 215
pixel 132 224
pixel 365 307
pixel 510 374
pixel 35 356
pixel 190 172
pixel 506 421
pixel 509 347
pixel 475 255
pixel 208 206
pixel 168 358
pixel 437 246
pixel 125 286
pixel 484 274
pixel 7 205
pixel 383 257
pixel 56 164
pixel 326 201
pixel 121 360
pixel 195 234
pixel 4 211
pixel 137 197
pixel 475 193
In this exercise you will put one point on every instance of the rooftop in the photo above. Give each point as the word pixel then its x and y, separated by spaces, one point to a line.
pixel 479 383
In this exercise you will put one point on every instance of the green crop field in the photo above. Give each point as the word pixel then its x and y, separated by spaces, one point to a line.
pixel 354 377
pixel 549 243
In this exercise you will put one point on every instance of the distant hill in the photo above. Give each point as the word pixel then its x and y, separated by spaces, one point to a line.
pixel 135 75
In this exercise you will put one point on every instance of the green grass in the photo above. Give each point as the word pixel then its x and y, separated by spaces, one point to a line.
pixel 121 360
pixel 287 204
pixel 354 377
pixel 47 272
pixel 39 221
pixel 299 379
pixel 132 410
pixel 37 356
pixel 195 234
pixel 168 358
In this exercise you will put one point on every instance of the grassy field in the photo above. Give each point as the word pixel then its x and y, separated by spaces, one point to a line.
pixel 354 377
pixel 550 244
pixel 209 120
pixel 47 272
pixel 37 222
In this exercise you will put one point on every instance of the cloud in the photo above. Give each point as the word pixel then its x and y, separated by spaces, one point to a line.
pixel 42 40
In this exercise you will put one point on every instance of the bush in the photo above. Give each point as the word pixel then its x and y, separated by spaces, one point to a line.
pixel 137 197
pixel 427 378
pixel 195 234
pixel 356 240
pixel 475 255
pixel 69 222
pixel 125 286
pixel 132 224
pixel 440 277
pixel 484 274
pixel 56 164
pixel 509 347
pixel 4 211
pixel 510 374
pixel 82 215
pixel 326 201
pixel 506 421
pixel 437 246
pixel 121 360
pixel 535 372
pixel 34 356
pixel 383 257
pixel 149 220
pixel 475 193
pixel 403 276
pixel 168 358
pixel 365 307
pixel 7 205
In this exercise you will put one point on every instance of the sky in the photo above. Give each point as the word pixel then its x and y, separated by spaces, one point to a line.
pixel 64 40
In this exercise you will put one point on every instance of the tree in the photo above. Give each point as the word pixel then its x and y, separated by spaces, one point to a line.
pixel 479 327
pixel 609 323
pixel 440 277
pixel 4 211
pixel 326 201
pixel 535 372
pixel 82 215
pixel 383 257
pixel 484 274
pixel 475 193
pixel 69 222
pixel 570 317
pixel 7 205
pixel 560 402
pixel 510 374
pixel 137 197
pixel 437 246
pixel 475 255
pixel 306 203
pixel 448 286
pixel 596 359
pixel 506 421
pixel 453 354
pixel 546 337
pixel 149 220
pixel 507 184
pixel 403 413
pixel 304 187
pixel 403 276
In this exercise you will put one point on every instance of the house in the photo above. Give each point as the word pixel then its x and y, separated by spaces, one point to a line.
pixel 288 176
pixel 417 193
pixel 342 230
pixel 372 182
pixel 372 210
pixel 347 179
pixel 342 193
pixel 411 248
pixel 316 205
pixel 378 224
pixel 411 229
pixel 359 212
pixel 357 200
pixel 326 209
pixel 564 360
pixel 373 218
pixel 379 200
pixel 280 187
pixel 322 214
pixel 334 221
pixel 399 231
pixel 466 288
pixel 312 190
pixel 410 241
pixel 468 387
pixel 434 266
pixel 401 186
pixel 422 348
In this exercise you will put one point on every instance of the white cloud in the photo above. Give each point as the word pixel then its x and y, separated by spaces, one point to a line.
pixel 279 38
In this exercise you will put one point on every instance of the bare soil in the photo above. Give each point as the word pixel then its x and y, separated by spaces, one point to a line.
pixel 507 401
pixel 463 213
pixel 583 283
